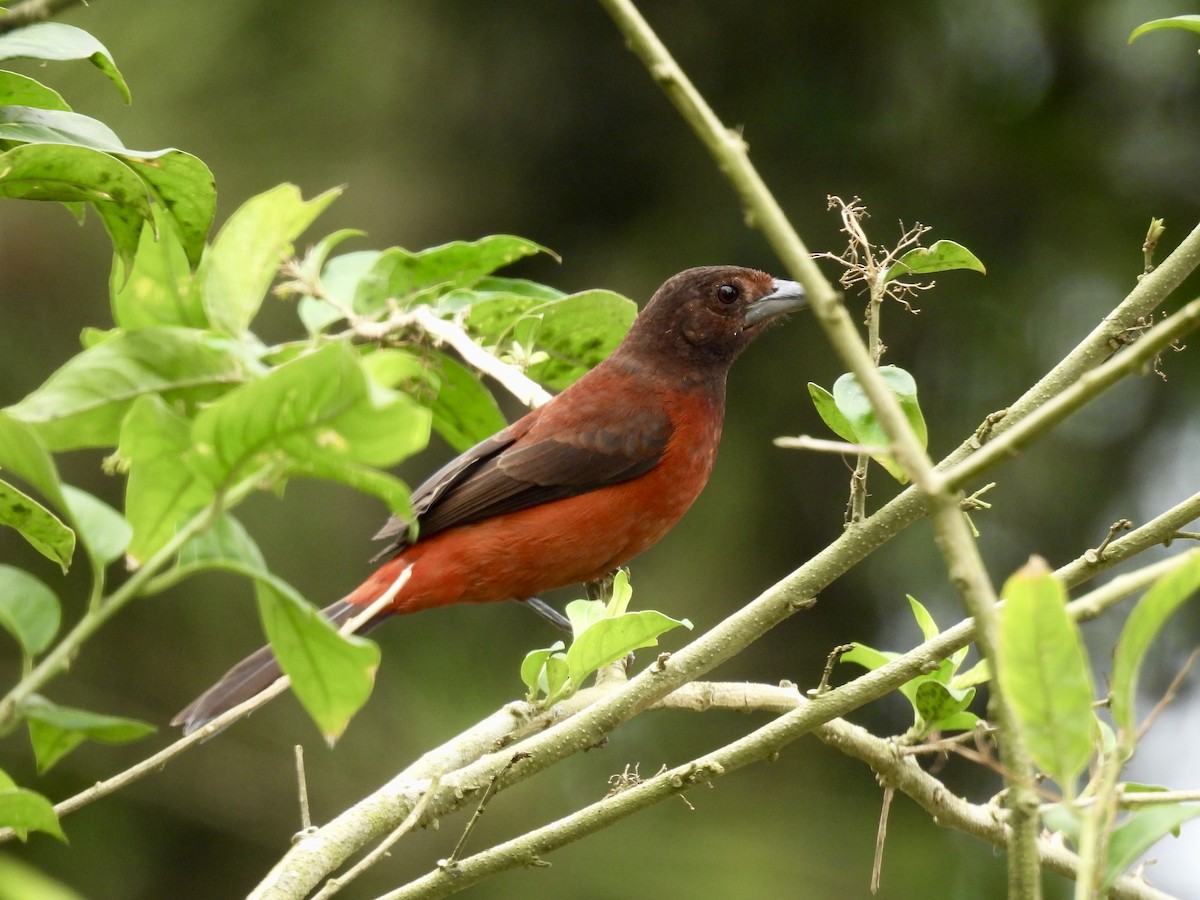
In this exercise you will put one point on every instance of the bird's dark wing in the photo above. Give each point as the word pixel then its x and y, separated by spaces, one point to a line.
pixel 536 460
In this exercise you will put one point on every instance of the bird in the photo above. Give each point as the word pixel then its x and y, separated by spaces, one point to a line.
pixel 576 487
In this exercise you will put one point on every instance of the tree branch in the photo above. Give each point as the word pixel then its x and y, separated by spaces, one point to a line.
pixel 30 11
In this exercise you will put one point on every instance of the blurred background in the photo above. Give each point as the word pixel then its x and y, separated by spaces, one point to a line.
pixel 1028 131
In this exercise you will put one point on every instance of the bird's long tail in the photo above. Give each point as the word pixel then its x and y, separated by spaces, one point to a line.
pixel 253 675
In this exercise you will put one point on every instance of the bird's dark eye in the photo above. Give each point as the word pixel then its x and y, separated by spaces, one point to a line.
pixel 727 293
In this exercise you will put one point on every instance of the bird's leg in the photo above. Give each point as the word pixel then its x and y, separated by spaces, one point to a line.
pixel 601 588
pixel 549 613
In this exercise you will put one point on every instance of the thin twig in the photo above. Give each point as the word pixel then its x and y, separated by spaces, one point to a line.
pixel 1169 696
pixel 822 445
pixel 302 789
pixel 880 837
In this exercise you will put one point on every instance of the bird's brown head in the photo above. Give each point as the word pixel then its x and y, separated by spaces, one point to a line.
pixel 705 317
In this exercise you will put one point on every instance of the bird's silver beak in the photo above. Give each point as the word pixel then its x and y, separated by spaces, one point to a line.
pixel 785 297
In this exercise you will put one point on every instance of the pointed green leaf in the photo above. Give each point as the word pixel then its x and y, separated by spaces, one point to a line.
pixel 331 675
pixel 238 268
pixel 1187 23
pixel 609 640
pixel 940 256
pixel 102 530
pixel 1144 624
pixel 1044 673
pixel 979 673
pixel 29 610
pixel 83 403
pixel 1140 831
pixel 929 629
pixel 56 730
pixel 55 41
pixel 44 531
pixel 621 594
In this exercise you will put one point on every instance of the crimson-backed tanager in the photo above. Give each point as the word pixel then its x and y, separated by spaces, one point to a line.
pixel 579 485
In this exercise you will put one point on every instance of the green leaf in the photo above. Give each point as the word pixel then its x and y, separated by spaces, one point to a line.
pixel 237 269
pixel 21 90
pixel 557 677
pixel 533 669
pixel 868 657
pixel 161 493
pixel 979 673
pixel 620 595
pixel 582 614
pixel 83 403
pixel 960 721
pixel 56 730
pixel 184 191
pixel 577 333
pixel 609 640
pixel 852 401
pixel 1139 832
pixel 22 452
pixel 73 174
pixel 464 411
pixel 934 703
pixel 102 530
pixel 398 274
pixel 318 415
pixel 941 256
pixel 929 629
pixel 1044 673
pixel 29 610
pixel 44 531
pixel 55 41
pixel 24 811
pixel 1187 23
pixel 830 414
pixel 226 542
pixel 157 289
pixel 331 675
pixel 30 125
pixel 1145 622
